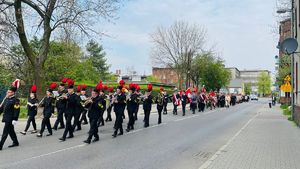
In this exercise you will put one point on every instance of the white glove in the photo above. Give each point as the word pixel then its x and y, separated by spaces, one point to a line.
pixel 14 122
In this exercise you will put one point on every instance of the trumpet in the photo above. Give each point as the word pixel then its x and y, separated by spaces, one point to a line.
pixel 87 101
pixel 63 96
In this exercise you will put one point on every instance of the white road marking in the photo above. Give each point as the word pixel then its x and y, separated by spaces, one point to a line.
pixel 219 152
pixel 47 154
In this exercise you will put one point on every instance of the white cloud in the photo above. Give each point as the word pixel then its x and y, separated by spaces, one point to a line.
pixel 240 28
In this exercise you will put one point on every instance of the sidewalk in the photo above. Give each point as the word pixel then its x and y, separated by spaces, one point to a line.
pixel 267 141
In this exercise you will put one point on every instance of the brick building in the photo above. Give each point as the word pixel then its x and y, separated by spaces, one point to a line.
pixel 165 75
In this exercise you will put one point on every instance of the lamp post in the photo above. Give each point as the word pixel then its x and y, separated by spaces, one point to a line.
pixel 291 11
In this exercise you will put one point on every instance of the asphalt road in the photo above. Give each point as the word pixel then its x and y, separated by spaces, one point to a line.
pixel 180 142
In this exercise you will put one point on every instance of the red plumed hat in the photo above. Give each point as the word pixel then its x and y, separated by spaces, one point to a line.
pixel 122 82
pixel 70 83
pixel 33 88
pixel 83 87
pixel 78 88
pixel 15 85
pixel 138 88
pixel 53 85
pixel 110 89
pixel 99 86
pixel 105 87
pixel 63 81
pixel 161 89
pixel 149 87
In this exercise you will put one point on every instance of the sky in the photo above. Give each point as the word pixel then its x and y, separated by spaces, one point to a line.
pixel 241 30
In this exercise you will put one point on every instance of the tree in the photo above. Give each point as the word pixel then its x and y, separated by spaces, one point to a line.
pixel 284 69
pixel 248 88
pixel 175 47
pixel 264 83
pixel 51 15
pixel 97 57
pixel 216 76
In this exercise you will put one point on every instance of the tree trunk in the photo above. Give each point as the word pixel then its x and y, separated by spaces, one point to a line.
pixel 39 81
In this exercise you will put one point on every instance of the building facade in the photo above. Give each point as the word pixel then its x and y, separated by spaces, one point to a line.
pixel 165 75
pixel 240 77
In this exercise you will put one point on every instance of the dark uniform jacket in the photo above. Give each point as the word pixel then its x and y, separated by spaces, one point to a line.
pixel 96 108
pixel 32 110
pixel 48 105
pixel 132 103
pixel 10 109
pixel 184 99
pixel 61 103
pixel 73 104
pixel 147 103
pixel 121 98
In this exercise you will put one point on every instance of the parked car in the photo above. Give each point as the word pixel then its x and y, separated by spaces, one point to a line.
pixel 253 97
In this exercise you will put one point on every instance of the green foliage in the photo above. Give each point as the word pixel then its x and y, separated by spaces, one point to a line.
pixel 152 79
pixel 284 106
pixel 284 69
pixel 264 83
pixel 6 77
pixel 23 113
pixel 209 71
pixel 97 56
pixel 248 88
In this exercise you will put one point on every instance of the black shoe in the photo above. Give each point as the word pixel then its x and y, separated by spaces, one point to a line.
pixel 128 130
pixel 39 135
pixel 87 141
pixel 85 123
pixel 78 129
pixel 54 128
pixel 132 128
pixel 71 136
pixel 62 139
pixel 183 115
pixel 23 132
pixel 13 145
pixel 95 140
pixel 61 127
pixel 50 134
pixel 0 148
pixel 121 133
pixel 146 126
pixel 114 135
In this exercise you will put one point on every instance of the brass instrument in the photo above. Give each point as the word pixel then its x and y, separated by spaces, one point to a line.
pixel 63 96
pixel 3 101
pixel 41 102
pixel 87 101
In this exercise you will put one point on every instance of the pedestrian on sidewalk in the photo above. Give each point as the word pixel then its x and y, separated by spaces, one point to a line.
pixel 48 103
pixel 32 105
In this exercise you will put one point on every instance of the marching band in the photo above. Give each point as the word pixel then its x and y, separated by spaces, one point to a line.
pixel 74 108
